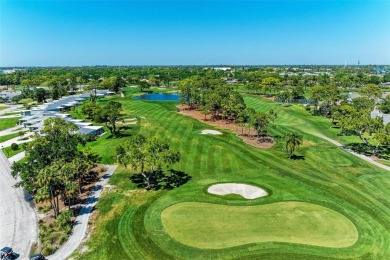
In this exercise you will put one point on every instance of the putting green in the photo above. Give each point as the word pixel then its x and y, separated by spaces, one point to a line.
pixel 214 226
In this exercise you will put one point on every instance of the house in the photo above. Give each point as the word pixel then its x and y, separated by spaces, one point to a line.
pixel 376 113
pixel 34 119
pixel 7 95
pixel 91 130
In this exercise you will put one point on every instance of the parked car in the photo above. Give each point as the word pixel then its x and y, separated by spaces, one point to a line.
pixel 7 253
pixel 37 257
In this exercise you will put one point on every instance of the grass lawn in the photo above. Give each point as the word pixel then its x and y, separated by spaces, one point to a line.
pixel 3 107
pixel 25 101
pixel 8 123
pixel 8 137
pixel 334 187
pixel 289 222
pixel 385 162
pixel 9 152
pixel 11 114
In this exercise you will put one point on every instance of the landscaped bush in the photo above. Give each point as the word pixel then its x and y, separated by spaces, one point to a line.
pixel 55 234
pixel 48 250
pixel 14 146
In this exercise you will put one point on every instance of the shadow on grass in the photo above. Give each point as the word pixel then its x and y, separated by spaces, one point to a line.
pixel 156 180
pixel 297 157
pixel 383 151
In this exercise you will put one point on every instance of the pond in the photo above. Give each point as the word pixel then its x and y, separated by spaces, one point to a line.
pixel 158 97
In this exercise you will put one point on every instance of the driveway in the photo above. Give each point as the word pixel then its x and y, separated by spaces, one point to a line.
pixel 18 225
pixel 80 229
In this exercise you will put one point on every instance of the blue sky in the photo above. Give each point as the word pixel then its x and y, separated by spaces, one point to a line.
pixel 65 33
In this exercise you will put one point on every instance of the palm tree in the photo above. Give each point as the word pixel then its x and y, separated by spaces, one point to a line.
pixel 293 140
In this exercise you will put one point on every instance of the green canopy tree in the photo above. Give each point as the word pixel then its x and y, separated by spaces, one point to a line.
pixel 111 113
pixel 385 105
pixel 262 121
pixel 371 91
pixel 151 153
pixel 53 161
pixel 293 141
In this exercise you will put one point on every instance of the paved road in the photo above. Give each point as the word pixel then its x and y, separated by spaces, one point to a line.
pixel 80 229
pixel 18 225
pixel 368 159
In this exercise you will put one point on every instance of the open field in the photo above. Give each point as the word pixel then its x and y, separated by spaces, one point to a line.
pixel 129 223
pixel 3 107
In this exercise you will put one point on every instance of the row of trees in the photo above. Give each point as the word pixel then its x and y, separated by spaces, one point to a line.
pixel 355 118
pixel 211 96
pixel 54 166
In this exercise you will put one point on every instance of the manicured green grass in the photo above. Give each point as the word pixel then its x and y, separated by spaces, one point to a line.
pixel 3 107
pixel 8 122
pixel 9 152
pixel 25 101
pixel 129 224
pixel 385 162
pixel 289 222
pixel 11 114
pixel 8 137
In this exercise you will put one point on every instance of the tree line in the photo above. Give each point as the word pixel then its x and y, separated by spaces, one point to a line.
pixel 54 167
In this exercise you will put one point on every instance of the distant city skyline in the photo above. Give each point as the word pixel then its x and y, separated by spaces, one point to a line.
pixel 98 32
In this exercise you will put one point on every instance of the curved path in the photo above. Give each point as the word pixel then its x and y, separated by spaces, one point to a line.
pixel 80 229
pixel 367 159
pixel 18 225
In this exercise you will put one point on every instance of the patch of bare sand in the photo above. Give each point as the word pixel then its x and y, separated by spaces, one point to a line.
pixel 247 136
pixel 210 132
pixel 247 191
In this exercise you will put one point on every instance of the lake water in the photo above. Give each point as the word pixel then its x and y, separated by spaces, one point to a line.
pixel 158 97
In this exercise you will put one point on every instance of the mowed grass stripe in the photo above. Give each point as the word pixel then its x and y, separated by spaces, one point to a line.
pixel 347 190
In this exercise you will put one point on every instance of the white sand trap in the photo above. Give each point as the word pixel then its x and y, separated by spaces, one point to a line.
pixel 247 191
pixel 211 132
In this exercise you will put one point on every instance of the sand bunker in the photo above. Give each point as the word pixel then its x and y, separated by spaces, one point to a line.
pixel 211 132
pixel 247 191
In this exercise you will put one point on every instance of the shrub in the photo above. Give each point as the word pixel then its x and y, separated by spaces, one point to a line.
pixel 64 221
pixel 14 147
pixel 48 250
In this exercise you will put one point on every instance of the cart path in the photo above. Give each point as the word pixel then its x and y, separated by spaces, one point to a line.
pixel 18 222
pixel 361 156
pixel 80 229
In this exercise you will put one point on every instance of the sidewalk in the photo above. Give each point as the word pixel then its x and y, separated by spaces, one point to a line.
pixel 81 222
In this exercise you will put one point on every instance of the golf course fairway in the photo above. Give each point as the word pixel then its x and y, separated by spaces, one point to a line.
pixel 215 226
